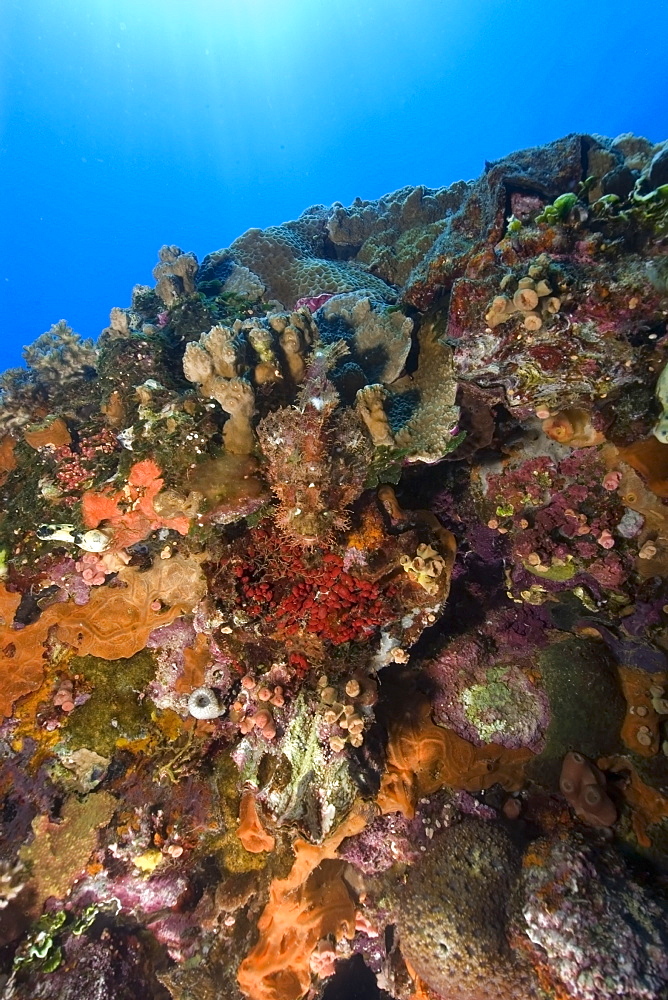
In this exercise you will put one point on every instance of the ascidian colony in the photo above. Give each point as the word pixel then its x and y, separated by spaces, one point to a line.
pixel 334 610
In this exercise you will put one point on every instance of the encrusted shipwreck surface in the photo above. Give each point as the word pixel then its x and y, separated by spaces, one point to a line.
pixel 334 611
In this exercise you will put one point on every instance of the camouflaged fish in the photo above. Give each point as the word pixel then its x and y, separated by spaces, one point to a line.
pixel 94 540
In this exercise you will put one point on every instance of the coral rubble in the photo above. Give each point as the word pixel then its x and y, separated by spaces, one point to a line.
pixel 334 610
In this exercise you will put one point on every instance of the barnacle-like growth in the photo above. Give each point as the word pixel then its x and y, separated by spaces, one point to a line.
pixel 203 704
pixel 424 567
pixel 532 298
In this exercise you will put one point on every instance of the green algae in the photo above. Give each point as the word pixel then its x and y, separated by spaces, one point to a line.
pixel 492 696
pixel 557 573
pixel 41 951
pixel 115 709
pixel 587 707
pixel 559 210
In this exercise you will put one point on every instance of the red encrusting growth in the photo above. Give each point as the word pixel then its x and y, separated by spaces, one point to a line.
pixel 293 592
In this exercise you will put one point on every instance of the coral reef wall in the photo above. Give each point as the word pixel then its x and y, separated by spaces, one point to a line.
pixel 334 610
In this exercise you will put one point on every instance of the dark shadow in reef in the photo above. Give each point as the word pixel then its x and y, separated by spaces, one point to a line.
pixel 353 980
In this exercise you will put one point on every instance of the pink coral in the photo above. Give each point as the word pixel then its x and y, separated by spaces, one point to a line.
pixel 584 788
pixel 313 302
pixel 611 480
pixel 323 959
pixel 605 539
pixel 92 569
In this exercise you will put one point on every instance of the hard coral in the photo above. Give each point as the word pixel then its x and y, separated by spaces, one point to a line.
pixel 175 274
pixel 453 916
pixel 378 336
pixel 307 640
pixel 429 431
pixel 288 264
pixel 598 933
pixel 213 364
pixel 60 356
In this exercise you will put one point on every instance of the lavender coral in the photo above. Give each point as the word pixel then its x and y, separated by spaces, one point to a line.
pixel 599 932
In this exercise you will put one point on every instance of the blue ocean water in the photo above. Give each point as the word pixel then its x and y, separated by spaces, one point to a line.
pixel 126 124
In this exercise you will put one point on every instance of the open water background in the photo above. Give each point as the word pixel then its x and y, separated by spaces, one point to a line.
pixel 126 124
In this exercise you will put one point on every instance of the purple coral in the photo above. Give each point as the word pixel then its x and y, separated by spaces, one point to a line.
pixel 601 934
pixel 487 696
pixel 380 845
pixel 66 575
